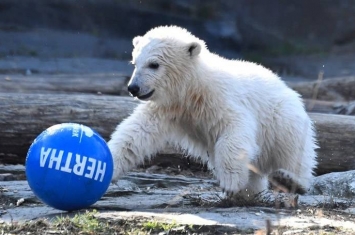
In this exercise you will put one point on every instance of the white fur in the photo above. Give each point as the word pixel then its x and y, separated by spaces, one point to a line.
pixel 233 115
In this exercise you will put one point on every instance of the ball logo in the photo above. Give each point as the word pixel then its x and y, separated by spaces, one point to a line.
pixel 88 132
pixel 83 130
pixel 93 169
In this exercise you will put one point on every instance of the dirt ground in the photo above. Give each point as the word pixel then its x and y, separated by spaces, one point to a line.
pixel 177 202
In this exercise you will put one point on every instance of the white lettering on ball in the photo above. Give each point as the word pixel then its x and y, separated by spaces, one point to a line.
pixel 93 169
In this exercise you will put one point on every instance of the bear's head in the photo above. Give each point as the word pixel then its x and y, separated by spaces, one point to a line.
pixel 164 60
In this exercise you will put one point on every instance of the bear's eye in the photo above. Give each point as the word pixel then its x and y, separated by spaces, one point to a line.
pixel 153 65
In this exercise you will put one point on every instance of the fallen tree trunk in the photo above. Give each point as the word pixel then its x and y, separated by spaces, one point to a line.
pixel 334 89
pixel 335 134
pixel 109 84
pixel 24 116
pixel 322 106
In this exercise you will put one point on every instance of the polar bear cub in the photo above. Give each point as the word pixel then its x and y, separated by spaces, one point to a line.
pixel 236 116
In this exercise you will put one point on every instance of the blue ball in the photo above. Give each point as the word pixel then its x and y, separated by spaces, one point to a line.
pixel 69 166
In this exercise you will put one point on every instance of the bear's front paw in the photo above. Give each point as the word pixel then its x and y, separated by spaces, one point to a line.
pixel 115 176
pixel 119 169
pixel 119 161
pixel 231 182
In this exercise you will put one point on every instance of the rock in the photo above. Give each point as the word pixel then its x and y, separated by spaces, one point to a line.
pixel 278 23
pixel 288 26
pixel 108 19
pixel 226 31
pixel 337 184
pixel 12 172
pixel 15 169
pixel 20 201
pixel 7 177
pixel 188 201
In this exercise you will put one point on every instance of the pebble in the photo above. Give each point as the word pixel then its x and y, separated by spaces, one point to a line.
pixel 20 201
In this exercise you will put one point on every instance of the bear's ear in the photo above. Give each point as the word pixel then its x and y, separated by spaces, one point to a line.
pixel 135 40
pixel 194 48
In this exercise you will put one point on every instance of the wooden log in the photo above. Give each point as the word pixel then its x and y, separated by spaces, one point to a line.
pixel 336 138
pixel 24 116
pixel 334 89
pixel 323 106
pixel 109 84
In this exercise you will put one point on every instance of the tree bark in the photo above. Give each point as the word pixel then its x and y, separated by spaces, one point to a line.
pixel 323 106
pixel 109 84
pixel 335 134
pixel 24 116
pixel 335 89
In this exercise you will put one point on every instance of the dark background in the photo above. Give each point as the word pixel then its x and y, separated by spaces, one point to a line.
pixel 295 38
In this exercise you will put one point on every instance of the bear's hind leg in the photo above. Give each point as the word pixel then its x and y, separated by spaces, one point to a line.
pixel 286 181
pixel 295 173
pixel 294 158
pixel 257 183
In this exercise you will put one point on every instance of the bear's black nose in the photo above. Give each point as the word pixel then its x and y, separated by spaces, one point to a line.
pixel 133 89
